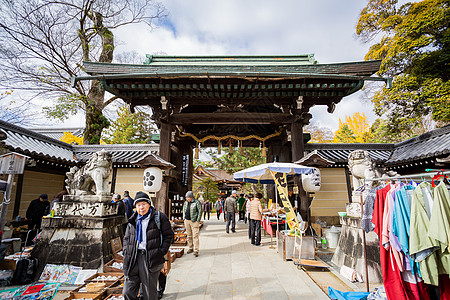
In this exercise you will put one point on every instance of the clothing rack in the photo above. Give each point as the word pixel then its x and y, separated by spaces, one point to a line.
pixel 430 174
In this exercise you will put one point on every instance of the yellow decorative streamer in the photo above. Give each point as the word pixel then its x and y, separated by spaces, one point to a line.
pixel 234 137
pixel 281 183
pixel 197 150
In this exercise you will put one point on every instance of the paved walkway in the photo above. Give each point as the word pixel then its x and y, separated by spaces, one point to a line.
pixel 229 267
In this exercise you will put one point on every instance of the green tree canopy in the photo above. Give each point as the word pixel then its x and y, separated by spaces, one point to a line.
pixel 413 41
pixel 208 187
pixel 344 135
pixel 129 128
pixel 235 161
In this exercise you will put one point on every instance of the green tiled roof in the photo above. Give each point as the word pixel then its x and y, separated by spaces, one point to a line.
pixel 223 60
pixel 363 68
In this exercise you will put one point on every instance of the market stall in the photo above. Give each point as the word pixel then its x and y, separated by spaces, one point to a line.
pixel 277 173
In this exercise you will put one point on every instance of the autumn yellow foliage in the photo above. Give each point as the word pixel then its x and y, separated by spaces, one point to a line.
pixel 69 138
pixel 355 129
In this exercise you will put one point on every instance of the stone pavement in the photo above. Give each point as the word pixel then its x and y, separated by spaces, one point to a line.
pixel 229 267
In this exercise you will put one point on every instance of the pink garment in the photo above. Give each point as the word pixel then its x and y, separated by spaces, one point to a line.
pixel 396 258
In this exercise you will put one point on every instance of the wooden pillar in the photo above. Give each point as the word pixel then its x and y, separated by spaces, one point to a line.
pixel 297 153
pixel 191 168
pixel 18 196
pixel 297 141
pixel 113 180
pixel 164 152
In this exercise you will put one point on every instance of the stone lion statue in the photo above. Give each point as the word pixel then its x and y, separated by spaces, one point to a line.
pixel 81 181
pixel 362 166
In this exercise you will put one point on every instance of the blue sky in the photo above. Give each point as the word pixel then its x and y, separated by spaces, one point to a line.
pixel 209 27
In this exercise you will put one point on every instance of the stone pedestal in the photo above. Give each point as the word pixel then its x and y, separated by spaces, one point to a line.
pixel 350 251
pixel 80 233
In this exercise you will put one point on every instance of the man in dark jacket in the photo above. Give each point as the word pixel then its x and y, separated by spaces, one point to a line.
pixel 128 201
pixel 36 210
pixel 231 210
pixel 146 241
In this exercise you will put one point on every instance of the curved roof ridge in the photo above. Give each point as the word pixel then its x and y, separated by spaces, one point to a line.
pixel 31 133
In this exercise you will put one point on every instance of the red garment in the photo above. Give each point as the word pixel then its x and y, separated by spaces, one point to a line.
pixel 444 287
pixel 415 287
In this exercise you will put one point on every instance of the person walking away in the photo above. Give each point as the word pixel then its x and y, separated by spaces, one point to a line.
pixel 206 209
pixel 255 220
pixel 36 210
pixel 218 207
pixel 241 203
pixel 192 213
pixel 223 209
pixel 294 200
pixel 230 210
pixel 128 201
pixel 146 242
pixel 121 210
pixel 247 213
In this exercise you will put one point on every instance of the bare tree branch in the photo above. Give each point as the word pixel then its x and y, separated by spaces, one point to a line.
pixel 43 43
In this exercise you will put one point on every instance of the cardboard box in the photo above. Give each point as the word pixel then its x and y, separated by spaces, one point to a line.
pixel 113 295
pixel 179 252
pixel 116 288
pixel 117 256
pixel 86 296
pixel 8 264
pixel 108 268
pixel 116 245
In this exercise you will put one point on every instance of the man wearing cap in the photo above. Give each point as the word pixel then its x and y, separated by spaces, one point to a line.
pixel 144 246
pixel 230 211
pixel 36 210
pixel 192 213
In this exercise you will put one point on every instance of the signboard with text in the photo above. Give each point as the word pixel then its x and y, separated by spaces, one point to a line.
pixel 12 163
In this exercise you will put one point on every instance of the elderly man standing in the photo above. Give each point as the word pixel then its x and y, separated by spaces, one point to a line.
pixel 146 241
pixel 192 213
pixel 230 211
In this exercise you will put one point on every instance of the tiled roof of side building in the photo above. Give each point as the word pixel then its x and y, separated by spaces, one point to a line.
pixel 34 144
pixel 338 153
pixel 57 133
pixel 121 153
pixel 434 143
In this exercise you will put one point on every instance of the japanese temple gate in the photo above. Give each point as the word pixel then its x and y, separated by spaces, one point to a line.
pixel 230 95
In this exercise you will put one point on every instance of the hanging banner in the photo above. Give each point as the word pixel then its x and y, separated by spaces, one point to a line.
pixel 281 183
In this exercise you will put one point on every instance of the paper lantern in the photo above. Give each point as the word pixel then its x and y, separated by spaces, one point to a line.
pixel 152 179
pixel 311 182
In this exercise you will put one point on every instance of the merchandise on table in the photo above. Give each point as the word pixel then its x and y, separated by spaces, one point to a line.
pixel 44 291
pixel 106 278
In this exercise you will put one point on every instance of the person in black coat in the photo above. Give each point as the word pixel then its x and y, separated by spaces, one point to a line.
pixel 36 210
pixel 121 210
pixel 144 246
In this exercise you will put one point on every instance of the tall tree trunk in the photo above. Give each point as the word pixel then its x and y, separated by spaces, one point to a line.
pixel 95 121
